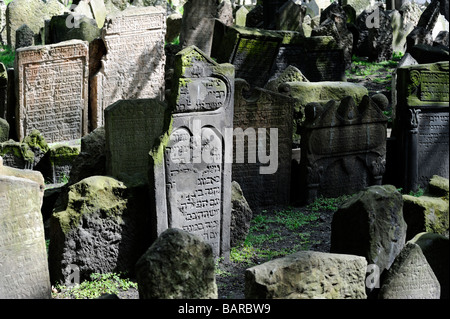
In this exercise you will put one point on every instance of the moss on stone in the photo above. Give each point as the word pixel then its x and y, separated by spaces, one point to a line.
pixel 36 140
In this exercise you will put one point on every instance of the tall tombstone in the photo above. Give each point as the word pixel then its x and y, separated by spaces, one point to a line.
pixel 343 147
pixel 131 129
pixel 191 169
pixel 23 256
pixel 261 119
pixel 52 90
pixel 422 123
pixel 133 67
pixel 251 51
pixel 198 24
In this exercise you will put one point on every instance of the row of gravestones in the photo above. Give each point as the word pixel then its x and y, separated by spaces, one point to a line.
pixel 104 229
pixel 190 147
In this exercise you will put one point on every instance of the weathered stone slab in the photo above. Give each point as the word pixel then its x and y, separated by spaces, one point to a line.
pixel 190 174
pixel 422 123
pixel 102 228
pixel 319 58
pixel 435 248
pixel 343 147
pixel 257 118
pixel 370 224
pixel 52 90
pixel 178 265
pixel 308 275
pixel 23 268
pixel 410 277
pixel 251 51
pixel 133 67
pixel 132 128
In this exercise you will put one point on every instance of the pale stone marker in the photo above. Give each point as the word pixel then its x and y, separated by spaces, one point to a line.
pixel 23 257
pixel 410 277
pixel 52 90
pixel 191 169
pixel 133 67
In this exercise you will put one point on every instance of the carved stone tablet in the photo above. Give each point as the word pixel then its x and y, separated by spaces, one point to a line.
pixel 422 123
pixel 52 90
pixel 190 174
pixel 133 67
pixel 23 257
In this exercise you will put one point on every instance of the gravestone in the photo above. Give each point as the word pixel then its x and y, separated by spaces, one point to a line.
pixel 2 23
pixel 290 16
pixel 241 16
pixel 198 23
pixel 4 130
pixel 31 12
pixel 343 147
pixel 24 37
pixel 251 51
pixel 319 58
pixel 52 90
pixel 23 258
pixel 3 91
pixel 258 117
pixel 410 277
pixel 422 123
pixel 131 128
pixel 190 173
pixel 133 67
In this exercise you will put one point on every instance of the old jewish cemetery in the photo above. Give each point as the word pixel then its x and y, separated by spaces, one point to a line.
pixel 222 149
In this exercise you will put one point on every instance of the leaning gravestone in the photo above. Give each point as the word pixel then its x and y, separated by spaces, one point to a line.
pixel 410 277
pixel 319 58
pixel 23 258
pixel 259 117
pixel 343 147
pixel 370 224
pixel 131 128
pixel 422 123
pixel 133 67
pixel 191 168
pixel 251 51
pixel 52 90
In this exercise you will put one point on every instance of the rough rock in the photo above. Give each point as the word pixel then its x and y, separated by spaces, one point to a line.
pixel 308 275
pixel 178 265
pixel 370 224
pixel 241 215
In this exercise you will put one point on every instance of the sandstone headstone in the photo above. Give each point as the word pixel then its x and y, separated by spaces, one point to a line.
pixel 190 175
pixel 241 216
pixel 24 37
pixel 198 24
pixel 290 74
pixel 101 229
pixel 251 51
pixel 133 67
pixel 370 224
pixel 23 268
pixel 258 117
pixel 308 275
pixel 343 143
pixel 173 27
pixel 3 91
pixel 30 12
pixel 422 124
pixel 16 154
pixel 241 16
pixel 82 28
pixel 132 128
pixel 52 90
pixel 410 277
pixel 290 16
pixel 435 248
pixel 3 23
pixel 178 265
